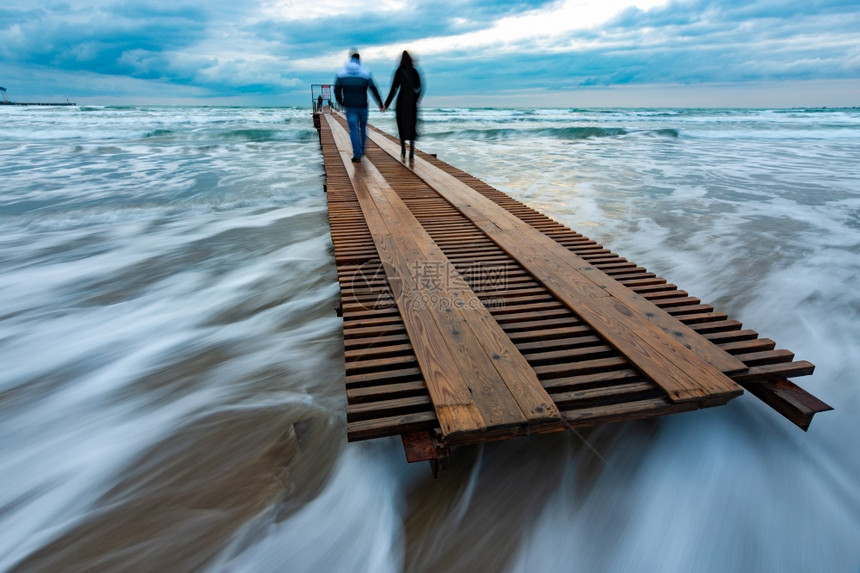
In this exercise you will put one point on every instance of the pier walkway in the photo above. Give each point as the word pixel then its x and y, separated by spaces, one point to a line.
pixel 470 317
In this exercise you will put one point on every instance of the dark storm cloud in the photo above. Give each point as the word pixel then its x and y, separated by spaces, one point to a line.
pixel 225 48
pixel 123 39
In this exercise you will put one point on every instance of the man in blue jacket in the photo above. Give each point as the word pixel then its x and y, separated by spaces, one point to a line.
pixel 350 91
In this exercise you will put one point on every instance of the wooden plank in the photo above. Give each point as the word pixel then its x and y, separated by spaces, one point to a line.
pixel 626 411
pixel 455 406
pixel 655 342
pixel 378 352
pixel 582 367
pixel 589 380
pixel 386 393
pixel 475 375
pixel 391 407
pixel 390 426
pixel 372 378
pixel 379 364
pixel 606 395
pixel 768 371
pixel 514 370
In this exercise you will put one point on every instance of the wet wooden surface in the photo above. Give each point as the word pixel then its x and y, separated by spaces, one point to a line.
pixel 475 375
pixel 440 274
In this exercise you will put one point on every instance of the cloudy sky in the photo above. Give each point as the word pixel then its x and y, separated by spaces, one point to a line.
pixel 573 53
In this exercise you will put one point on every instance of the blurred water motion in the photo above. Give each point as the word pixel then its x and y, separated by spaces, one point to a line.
pixel 171 390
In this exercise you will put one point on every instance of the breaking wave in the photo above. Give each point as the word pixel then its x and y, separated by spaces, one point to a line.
pixel 560 133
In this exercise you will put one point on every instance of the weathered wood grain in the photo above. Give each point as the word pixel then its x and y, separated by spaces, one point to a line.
pixel 684 364
pixel 586 378
pixel 474 373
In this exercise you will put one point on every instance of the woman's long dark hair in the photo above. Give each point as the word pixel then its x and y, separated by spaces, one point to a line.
pixel 405 60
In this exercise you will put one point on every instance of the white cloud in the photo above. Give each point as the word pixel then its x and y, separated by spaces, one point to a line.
pixel 537 30
pixel 276 46
pixel 544 30
pixel 297 10
pixel 853 62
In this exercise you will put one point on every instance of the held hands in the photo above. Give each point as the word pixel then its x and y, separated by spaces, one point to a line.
pixel 383 108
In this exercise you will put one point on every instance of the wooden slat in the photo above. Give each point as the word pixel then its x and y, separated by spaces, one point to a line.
pixel 589 383
pixel 391 426
pixel 658 344
pixel 475 375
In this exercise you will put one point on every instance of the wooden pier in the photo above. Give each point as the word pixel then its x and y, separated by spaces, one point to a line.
pixel 470 317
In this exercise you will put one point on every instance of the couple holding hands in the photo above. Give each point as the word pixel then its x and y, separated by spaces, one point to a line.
pixel 350 91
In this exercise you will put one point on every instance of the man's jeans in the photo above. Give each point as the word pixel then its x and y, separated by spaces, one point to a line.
pixel 356 117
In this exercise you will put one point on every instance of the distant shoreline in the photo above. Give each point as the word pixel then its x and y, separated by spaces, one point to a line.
pixel 33 103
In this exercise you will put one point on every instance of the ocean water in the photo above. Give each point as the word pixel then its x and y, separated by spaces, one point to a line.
pixel 171 375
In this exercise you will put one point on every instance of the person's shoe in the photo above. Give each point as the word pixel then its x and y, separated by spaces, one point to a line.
pixel 356 159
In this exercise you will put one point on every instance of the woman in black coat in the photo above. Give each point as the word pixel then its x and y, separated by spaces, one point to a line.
pixel 408 82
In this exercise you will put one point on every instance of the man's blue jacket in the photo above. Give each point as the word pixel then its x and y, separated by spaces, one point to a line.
pixel 352 83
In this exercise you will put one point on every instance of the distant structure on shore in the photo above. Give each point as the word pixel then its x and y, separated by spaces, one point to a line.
pixel 5 101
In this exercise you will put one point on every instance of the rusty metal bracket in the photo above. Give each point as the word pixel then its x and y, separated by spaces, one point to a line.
pixel 424 446
pixel 790 400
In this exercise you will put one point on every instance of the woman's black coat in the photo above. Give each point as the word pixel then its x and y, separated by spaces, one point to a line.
pixel 408 83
